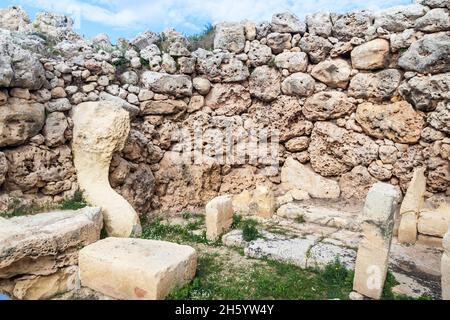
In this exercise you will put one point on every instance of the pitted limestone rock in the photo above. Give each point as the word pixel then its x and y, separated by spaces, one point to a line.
pixel 100 129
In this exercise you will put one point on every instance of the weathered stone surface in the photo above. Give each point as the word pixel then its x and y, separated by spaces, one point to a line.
pixel 316 47
pixel 434 20
pixel 221 67
pixel 379 86
pixel 229 36
pixel 292 61
pixel 3 167
pixel 93 144
pixel 445 268
pixel 19 121
pixel 202 85
pixel 396 121
pixel 133 110
pixel 440 118
pixel 263 202
pixel 373 252
pixel 136 269
pixel 434 223
pixel 259 54
pixel 399 18
pixel 296 175
pixel 59 105
pixel 176 85
pixel 411 206
pixel 219 217
pixel 228 99
pixel 287 22
pixel 297 144
pixel 371 55
pixel 40 244
pixel 356 183
pixel 145 39
pixel 327 105
pixel 428 55
pixel 319 24
pixel 424 92
pixel 335 73
pixel 264 83
pixel 279 41
pixel 14 18
pixel 404 39
pixel 55 126
pixel 298 84
pixel 435 3
pixel 380 171
pixel 163 107
pixel 334 150
pixel 352 24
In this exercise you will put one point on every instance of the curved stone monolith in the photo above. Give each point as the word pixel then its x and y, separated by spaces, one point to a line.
pixel 100 129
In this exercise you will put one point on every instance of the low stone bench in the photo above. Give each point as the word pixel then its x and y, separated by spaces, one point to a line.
pixel 136 269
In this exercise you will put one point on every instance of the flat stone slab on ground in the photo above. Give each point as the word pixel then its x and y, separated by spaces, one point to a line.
pixel 132 269
pixel 42 243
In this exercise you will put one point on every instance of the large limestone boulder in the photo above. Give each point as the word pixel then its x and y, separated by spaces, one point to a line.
pixel 316 47
pixel 298 84
pixel 42 243
pixel 327 105
pixel 440 118
pixel 136 269
pixel 296 175
pixel 218 217
pixel 399 18
pixel 352 24
pixel 14 18
pixel 55 127
pixel 377 86
pixel 428 55
pixel 434 223
pixel 228 99
pixel 371 55
pixel 334 150
pixel 229 36
pixel 292 61
pixel 424 92
pixel 356 183
pixel 334 72
pixel 319 24
pixel 435 3
pixel 145 39
pixel 278 42
pixel 163 107
pixel 264 83
pixel 259 54
pixel 221 66
pixel 287 22
pixel 397 121
pixel 3 167
pixel 434 20
pixel 19 121
pixel 175 85
pixel 132 109
pixel 100 129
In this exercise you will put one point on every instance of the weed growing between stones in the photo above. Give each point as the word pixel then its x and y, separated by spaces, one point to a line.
pixel 204 40
pixel 249 230
pixel 74 203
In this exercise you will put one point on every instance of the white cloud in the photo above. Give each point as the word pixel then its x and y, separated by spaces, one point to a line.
pixel 157 14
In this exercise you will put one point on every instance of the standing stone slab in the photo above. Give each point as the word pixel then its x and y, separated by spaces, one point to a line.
pixel 136 269
pixel 373 252
pixel 410 208
pixel 219 216
pixel 445 268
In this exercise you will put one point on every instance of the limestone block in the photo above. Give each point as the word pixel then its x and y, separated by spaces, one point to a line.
pixel 219 216
pixel 445 268
pixel 40 244
pixel 411 206
pixel 435 223
pixel 100 129
pixel 241 202
pixel 373 252
pixel 136 269
pixel 264 201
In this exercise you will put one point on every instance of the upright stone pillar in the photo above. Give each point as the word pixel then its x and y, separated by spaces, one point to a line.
pixel 411 206
pixel 373 252
pixel 219 217
pixel 445 268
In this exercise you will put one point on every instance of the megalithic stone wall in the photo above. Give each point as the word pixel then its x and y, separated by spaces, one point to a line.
pixel 377 229
pixel 355 98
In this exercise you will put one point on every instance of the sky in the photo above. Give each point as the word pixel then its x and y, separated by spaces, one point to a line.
pixel 125 19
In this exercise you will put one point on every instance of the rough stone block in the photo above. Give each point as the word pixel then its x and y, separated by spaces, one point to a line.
pixel 219 216
pixel 373 252
pixel 434 223
pixel 445 268
pixel 136 269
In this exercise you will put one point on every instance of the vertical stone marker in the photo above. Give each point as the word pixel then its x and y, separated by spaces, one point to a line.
pixel 445 268
pixel 219 216
pixel 373 252
pixel 100 129
pixel 411 206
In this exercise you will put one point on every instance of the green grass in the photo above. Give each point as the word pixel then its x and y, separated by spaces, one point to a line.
pixel 204 39
pixel 299 219
pixel 121 62
pixel 249 230
pixel 73 203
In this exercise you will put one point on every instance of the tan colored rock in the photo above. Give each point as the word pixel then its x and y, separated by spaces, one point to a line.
pixel 136 269
pixel 411 206
pixel 371 55
pixel 356 183
pixel 19 121
pixel 100 129
pixel 55 126
pixel 163 107
pixel 264 202
pixel 297 144
pixel 373 252
pixel 40 244
pixel 327 105
pixel 435 223
pixel 445 268
pixel 219 217
pixel 228 99
pixel 3 167
pixel 45 287
pixel 58 92
pixel 20 93
pixel 397 121
pixel 334 72
pixel 296 175
pixel 264 83
pixel 241 202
